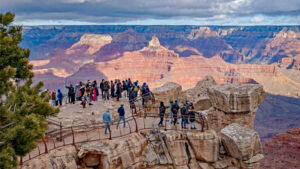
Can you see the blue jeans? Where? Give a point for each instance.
(183, 122)
(106, 127)
(121, 118)
(54, 103)
(171, 114)
(193, 124)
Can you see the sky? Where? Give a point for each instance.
(153, 12)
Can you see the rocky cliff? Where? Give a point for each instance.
(228, 142)
(283, 150)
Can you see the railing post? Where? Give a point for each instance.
(136, 126)
(21, 160)
(166, 122)
(60, 132)
(73, 136)
(109, 132)
(46, 148)
(39, 150)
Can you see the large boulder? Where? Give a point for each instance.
(182, 154)
(236, 98)
(242, 143)
(64, 157)
(217, 119)
(205, 145)
(169, 92)
(122, 153)
(200, 90)
(199, 95)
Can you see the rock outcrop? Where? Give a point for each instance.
(242, 143)
(198, 95)
(282, 151)
(65, 157)
(233, 103)
(229, 141)
(169, 92)
(236, 98)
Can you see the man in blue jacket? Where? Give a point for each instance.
(106, 120)
(121, 112)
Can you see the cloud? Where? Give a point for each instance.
(130, 11)
(257, 19)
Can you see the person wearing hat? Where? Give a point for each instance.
(106, 120)
(121, 112)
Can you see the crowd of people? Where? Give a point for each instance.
(88, 92)
(187, 113)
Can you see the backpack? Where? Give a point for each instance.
(105, 87)
(183, 110)
(175, 108)
(60, 96)
(136, 89)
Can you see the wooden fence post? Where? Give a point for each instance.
(46, 148)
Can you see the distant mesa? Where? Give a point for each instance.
(93, 43)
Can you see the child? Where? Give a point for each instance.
(83, 101)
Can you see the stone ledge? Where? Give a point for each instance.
(236, 98)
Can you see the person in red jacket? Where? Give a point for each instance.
(53, 99)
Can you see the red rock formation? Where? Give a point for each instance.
(157, 65)
(283, 151)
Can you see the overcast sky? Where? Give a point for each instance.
(154, 12)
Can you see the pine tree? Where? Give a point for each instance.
(23, 108)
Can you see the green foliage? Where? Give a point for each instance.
(10, 52)
(23, 108)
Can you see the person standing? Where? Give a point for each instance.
(59, 97)
(184, 116)
(106, 90)
(175, 109)
(192, 117)
(90, 95)
(101, 88)
(112, 89)
(107, 120)
(162, 111)
(121, 112)
(119, 90)
(136, 89)
(53, 98)
(171, 113)
(71, 94)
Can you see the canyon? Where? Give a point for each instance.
(268, 55)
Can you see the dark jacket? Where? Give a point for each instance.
(162, 111)
(183, 112)
(101, 85)
(71, 90)
(192, 116)
(175, 108)
(121, 111)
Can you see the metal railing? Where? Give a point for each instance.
(78, 134)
